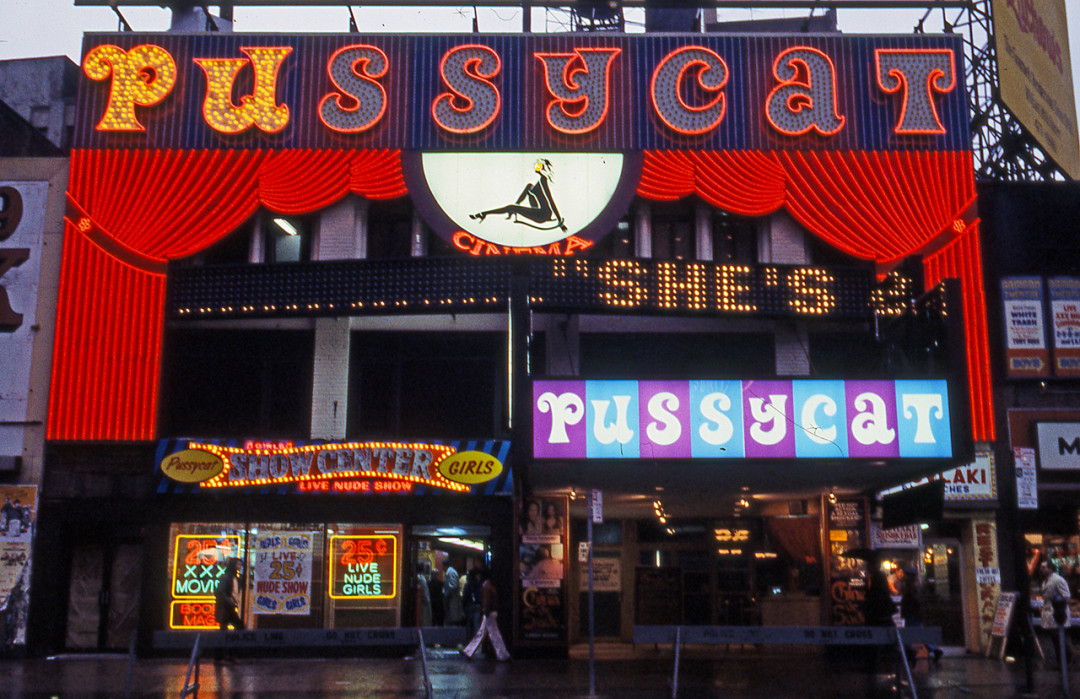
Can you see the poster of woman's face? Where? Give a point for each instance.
(543, 516)
(531, 522)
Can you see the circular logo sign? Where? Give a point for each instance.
(545, 202)
(191, 466)
(470, 467)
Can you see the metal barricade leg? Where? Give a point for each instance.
(1063, 661)
(192, 688)
(904, 663)
(675, 674)
(130, 665)
(423, 661)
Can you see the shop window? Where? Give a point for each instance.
(426, 385)
(293, 576)
(672, 232)
(618, 244)
(364, 579)
(233, 383)
(287, 238)
(734, 238)
(389, 229)
(198, 554)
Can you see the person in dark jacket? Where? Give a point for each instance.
(489, 627)
(435, 588)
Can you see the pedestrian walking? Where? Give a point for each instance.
(1055, 609)
(489, 626)
(452, 595)
(227, 596)
(471, 601)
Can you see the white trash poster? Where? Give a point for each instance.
(282, 573)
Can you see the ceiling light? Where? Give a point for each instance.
(286, 226)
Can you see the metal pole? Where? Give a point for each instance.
(1062, 663)
(130, 666)
(423, 662)
(904, 662)
(592, 620)
(675, 673)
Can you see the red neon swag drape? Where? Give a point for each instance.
(131, 211)
(880, 206)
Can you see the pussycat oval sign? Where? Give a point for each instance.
(192, 466)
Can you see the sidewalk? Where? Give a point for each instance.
(622, 671)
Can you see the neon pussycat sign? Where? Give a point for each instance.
(509, 92)
(729, 419)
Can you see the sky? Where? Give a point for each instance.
(30, 28)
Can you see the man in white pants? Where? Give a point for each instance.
(489, 627)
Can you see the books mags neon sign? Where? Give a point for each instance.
(578, 83)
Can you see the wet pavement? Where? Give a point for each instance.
(621, 671)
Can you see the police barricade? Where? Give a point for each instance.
(788, 635)
(260, 639)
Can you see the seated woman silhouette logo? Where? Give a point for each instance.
(541, 212)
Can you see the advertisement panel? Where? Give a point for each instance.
(542, 547)
(730, 419)
(1035, 74)
(282, 571)
(17, 519)
(1026, 353)
(847, 531)
(364, 566)
(1065, 310)
(1059, 445)
(459, 467)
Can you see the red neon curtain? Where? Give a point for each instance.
(129, 212)
(876, 206)
(132, 210)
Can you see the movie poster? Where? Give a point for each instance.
(17, 518)
(847, 532)
(542, 569)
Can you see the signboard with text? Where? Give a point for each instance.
(1064, 295)
(363, 566)
(847, 527)
(1059, 445)
(722, 419)
(1035, 74)
(1026, 352)
(282, 572)
(316, 468)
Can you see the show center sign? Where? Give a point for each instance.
(335, 468)
(730, 419)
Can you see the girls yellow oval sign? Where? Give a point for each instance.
(470, 467)
(192, 466)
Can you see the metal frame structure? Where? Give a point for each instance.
(1003, 149)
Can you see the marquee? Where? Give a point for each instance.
(182, 137)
